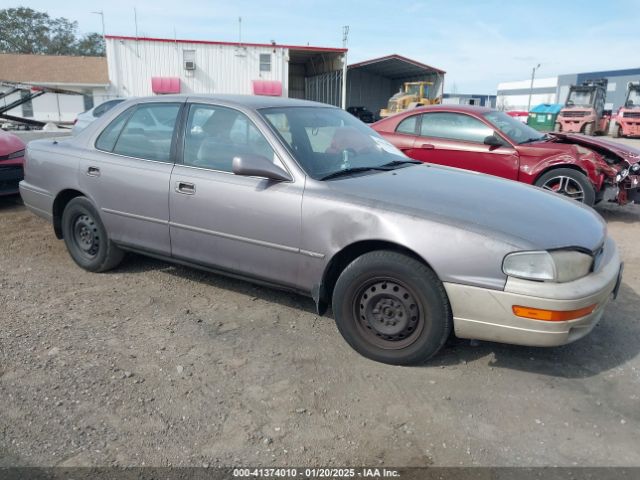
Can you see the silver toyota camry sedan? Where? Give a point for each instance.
(303, 196)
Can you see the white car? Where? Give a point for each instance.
(85, 118)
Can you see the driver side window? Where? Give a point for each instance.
(215, 135)
(454, 126)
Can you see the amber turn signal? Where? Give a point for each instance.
(552, 315)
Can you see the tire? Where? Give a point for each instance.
(86, 238)
(567, 182)
(588, 129)
(557, 127)
(617, 133)
(391, 308)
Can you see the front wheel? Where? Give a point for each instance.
(570, 183)
(86, 238)
(392, 308)
(617, 133)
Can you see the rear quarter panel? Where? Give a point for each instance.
(51, 166)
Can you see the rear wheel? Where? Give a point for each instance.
(86, 238)
(588, 128)
(570, 183)
(392, 308)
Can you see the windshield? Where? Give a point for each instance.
(413, 90)
(578, 98)
(328, 140)
(514, 129)
(634, 98)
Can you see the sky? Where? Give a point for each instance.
(478, 43)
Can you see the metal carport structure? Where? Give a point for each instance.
(371, 83)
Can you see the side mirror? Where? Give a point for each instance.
(493, 141)
(250, 165)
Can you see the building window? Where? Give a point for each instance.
(88, 102)
(265, 62)
(189, 59)
(27, 107)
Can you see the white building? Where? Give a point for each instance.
(147, 66)
(515, 95)
(85, 75)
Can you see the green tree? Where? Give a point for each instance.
(24, 30)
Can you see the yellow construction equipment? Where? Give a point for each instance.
(413, 94)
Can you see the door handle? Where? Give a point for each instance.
(427, 146)
(93, 171)
(185, 188)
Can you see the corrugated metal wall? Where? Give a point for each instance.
(219, 68)
(325, 88)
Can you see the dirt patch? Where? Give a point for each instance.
(155, 364)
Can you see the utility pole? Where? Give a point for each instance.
(135, 20)
(239, 30)
(101, 13)
(533, 76)
(345, 37)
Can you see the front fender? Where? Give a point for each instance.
(589, 163)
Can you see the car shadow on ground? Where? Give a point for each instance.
(616, 213)
(10, 202)
(612, 343)
(139, 264)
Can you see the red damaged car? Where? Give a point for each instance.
(11, 163)
(492, 142)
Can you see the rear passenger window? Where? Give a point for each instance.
(107, 139)
(408, 125)
(146, 133)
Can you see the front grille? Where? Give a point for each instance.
(631, 115)
(578, 114)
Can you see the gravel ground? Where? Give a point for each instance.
(156, 364)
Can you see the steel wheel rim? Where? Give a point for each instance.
(566, 186)
(388, 313)
(85, 236)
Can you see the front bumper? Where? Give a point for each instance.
(486, 314)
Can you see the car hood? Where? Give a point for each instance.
(602, 146)
(524, 216)
(10, 143)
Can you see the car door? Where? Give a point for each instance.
(127, 175)
(244, 225)
(457, 140)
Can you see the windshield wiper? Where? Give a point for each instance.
(531, 140)
(397, 163)
(348, 171)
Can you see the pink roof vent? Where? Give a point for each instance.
(271, 88)
(165, 85)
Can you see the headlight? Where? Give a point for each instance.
(635, 167)
(18, 154)
(622, 175)
(555, 266)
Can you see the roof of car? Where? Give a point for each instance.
(247, 101)
(455, 108)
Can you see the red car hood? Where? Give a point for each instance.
(9, 143)
(602, 146)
